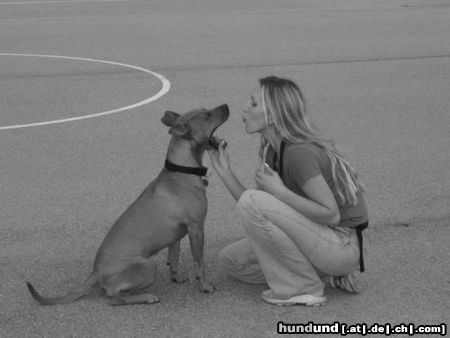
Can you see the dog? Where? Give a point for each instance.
(173, 205)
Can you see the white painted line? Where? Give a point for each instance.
(57, 2)
(164, 89)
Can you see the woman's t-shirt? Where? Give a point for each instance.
(304, 161)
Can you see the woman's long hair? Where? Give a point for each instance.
(285, 103)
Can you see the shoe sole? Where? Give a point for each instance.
(297, 300)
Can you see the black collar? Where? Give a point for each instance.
(197, 171)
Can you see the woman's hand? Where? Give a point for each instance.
(268, 180)
(220, 160)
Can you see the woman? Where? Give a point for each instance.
(300, 221)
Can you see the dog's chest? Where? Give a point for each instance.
(182, 197)
(194, 199)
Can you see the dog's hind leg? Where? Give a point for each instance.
(172, 260)
(143, 298)
(128, 286)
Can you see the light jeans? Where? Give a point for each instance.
(285, 249)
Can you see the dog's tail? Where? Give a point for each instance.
(74, 294)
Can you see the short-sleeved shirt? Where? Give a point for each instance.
(304, 161)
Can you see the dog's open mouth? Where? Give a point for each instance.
(214, 142)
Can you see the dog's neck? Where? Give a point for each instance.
(181, 153)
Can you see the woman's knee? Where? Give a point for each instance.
(254, 196)
(254, 201)
(246, 198)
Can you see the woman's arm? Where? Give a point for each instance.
(221, 164)
(320, 205)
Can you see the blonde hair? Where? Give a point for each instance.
(284, 102)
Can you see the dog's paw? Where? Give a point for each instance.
(207, 287)
(151, 299)
(178, 278)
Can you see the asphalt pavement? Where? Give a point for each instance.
(376, 78)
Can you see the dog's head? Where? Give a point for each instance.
(197, 126)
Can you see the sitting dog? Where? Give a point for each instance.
(171, 206)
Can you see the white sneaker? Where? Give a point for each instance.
(308, 300)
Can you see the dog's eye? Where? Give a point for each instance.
(207, 115)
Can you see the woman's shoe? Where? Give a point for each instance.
(347, 283)
(308, 300)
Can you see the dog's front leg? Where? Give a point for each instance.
(196, 240)
(172, 260)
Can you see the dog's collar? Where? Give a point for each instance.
(197, 171)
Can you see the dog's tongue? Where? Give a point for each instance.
(215, 141)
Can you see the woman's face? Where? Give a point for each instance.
(253, 117)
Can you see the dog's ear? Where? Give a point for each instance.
(169, 118)
(179, 129)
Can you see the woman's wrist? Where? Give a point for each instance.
(282, 193)
(233, 185)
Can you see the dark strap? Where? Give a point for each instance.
(197, 171)
(280, 167)
(359, 229)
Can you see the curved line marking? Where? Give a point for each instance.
(164, 89)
